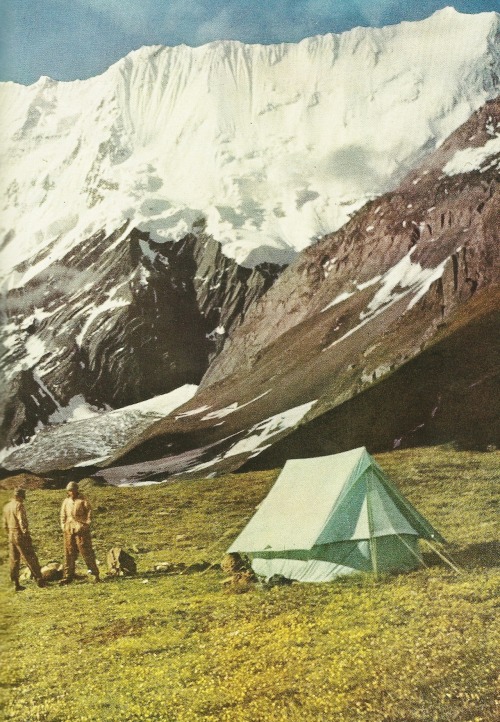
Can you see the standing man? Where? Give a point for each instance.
(15, 523)
(75, 524)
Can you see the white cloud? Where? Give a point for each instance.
(374, 13)
(200, 21)
(130, 15)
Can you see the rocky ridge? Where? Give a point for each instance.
(118, 320)
(437, 231)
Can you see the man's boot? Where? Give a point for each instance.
(18, 587)
(41, 583)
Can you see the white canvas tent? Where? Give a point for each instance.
(333, 515)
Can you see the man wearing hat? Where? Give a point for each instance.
(15, 523)
(75, 524)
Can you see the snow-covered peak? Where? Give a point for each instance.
(272, 145)
(449, 13)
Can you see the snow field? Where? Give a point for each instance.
(272, 145)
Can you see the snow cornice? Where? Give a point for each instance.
(145, 52)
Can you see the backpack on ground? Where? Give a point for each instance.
(120, 563)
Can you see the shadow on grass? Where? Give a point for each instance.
(14, 684)
(485, 554)
(154, 574)
(480, 555)
(431, 559)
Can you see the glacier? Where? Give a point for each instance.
(85, 436)
(266, 148)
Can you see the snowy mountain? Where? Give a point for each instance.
(149, 213)
(384, 333)
(269, 146)
(121, 321)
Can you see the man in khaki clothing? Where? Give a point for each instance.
(15, 524)
(75, 523)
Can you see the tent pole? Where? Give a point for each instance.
(373, 552)
(444, 558)
(373, 542)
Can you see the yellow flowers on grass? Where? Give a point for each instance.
(420, 647)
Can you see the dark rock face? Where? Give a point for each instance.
(118, 320)
(18, 421)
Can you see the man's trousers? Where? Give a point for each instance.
(20, 545)
(78, 543)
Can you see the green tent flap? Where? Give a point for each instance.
(333, 515)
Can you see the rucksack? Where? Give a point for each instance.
(120, 563)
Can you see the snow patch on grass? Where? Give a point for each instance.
(256, 438)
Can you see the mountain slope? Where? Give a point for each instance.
(438, 231)
(448, 392)
(375, 335)
(118, 190)
(413, 270)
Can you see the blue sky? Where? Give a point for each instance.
(68, 39)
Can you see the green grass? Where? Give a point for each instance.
(419, 647)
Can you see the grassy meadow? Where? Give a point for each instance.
(418, 647)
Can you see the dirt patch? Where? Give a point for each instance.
(26, 481)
